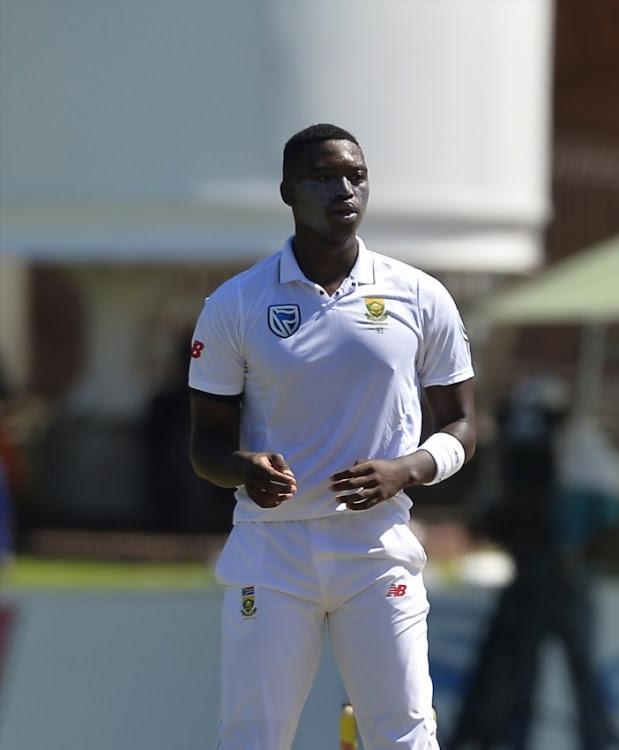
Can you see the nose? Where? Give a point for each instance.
(343, 187)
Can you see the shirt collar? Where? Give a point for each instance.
(362, 272)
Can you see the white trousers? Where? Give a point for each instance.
(359, 574)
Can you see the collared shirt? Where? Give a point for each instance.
(328, 380)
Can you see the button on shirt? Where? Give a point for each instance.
(327, 380)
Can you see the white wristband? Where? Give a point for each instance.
(447, 452)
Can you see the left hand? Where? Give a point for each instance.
(372, 480)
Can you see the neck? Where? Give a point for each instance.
(327, 264)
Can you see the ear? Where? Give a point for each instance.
(286, 191)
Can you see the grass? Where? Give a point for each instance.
(30, 573)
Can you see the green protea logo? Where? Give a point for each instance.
(375, 307)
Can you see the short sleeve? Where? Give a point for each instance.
(445, 351)
(217, 364)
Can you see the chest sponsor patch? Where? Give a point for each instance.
(284, 320)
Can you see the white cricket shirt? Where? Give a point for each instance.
(328, 380)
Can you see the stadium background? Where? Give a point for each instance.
(140, 145)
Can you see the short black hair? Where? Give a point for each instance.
(313, 134)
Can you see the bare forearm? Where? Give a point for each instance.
(217, 460)
(416, 468)
(453, 412)
(266, 477)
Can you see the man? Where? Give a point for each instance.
(306, 377)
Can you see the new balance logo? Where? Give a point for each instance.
(197, 348)
(397, 589)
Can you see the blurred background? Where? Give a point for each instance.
(140, 157)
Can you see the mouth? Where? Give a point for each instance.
(344, 212)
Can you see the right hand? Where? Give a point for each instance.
(267, 478)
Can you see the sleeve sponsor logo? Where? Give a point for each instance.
(196, 349)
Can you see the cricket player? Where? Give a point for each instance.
(306, 378)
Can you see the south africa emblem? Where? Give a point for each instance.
(375, 307)
(248, 602)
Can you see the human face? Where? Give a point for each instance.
(328, 190)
